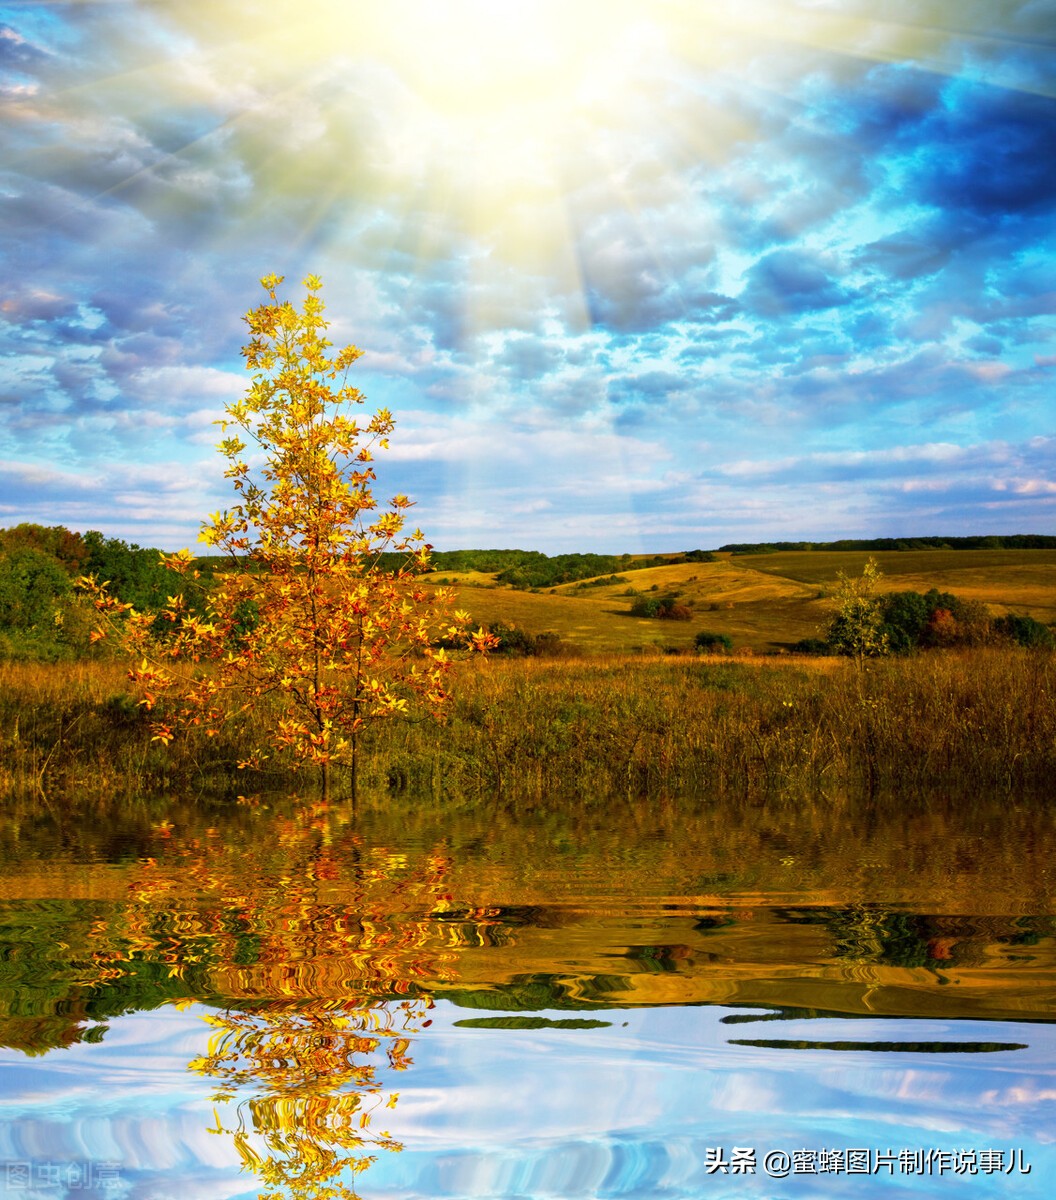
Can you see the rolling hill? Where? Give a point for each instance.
(765, 602)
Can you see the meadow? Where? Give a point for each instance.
(765, 603)
(592, 729)
(621, 705)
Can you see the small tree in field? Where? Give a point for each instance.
(304, 627)
(857, 628)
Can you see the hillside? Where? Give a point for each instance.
(764, 602)
(764, 598)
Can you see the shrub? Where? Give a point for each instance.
(663, 608)
(519, 643)
(904, 615)
(646, 606)
(812, 646)
(935, 619)
(712, 643)
(32, 585)
(941, 629)
(1024, 631)
(40, 619)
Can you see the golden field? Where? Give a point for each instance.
(968, 722)
(764, 602)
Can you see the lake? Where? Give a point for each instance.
(649, 998)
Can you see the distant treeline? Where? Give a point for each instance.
(1016, 541)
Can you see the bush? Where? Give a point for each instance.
(41, 620)
(519, 643)
(712, 643)
(646, 606)
(935, 619)
(1024, 631)
(133, 573)
(816, 647)
(661, 608)
(32, 585)
(905, 615)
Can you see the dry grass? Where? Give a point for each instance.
(971, 723)
(756, 610)
(978, 723)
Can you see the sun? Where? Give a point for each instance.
(497, 81)
(466, 56)
(504, 82)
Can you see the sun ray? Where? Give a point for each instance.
(492, 112)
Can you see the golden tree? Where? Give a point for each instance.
(306, 625)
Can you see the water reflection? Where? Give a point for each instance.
(526, 963)
(882, 1047)
(306, 1089)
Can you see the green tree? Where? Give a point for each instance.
(663, 608)
(905, 618)
(857, 629)
(304, 626)
(133, 573)
(32, 586)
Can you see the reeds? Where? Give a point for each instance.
(972, 722)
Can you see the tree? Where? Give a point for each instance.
(905, 619)
(58, 542)
(32, 586)
(133, 573)
(857, 628)
(303, 626)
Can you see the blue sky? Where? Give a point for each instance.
(631, 275)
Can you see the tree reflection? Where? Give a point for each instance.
(313, 1093)
(327, 981)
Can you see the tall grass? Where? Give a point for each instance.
(982, 720)
(975, 721)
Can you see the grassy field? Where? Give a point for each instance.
(617, 715)
(764, 602)
(976, 722)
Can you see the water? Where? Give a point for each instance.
(653, 1000)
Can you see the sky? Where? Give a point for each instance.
(632, 275)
